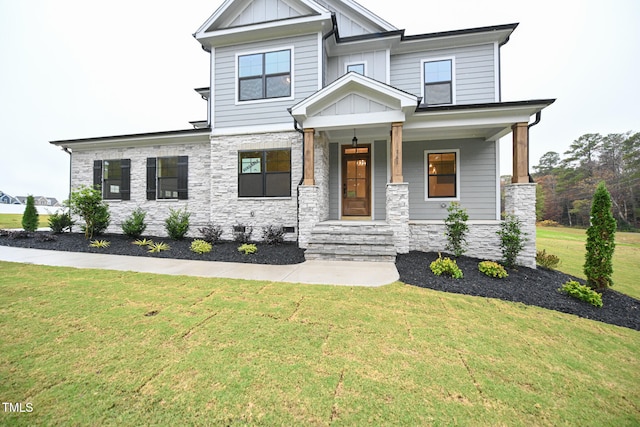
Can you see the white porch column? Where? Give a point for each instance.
(520, 200)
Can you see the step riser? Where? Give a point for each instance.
(351, 242)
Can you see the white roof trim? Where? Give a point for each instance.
(369, 15)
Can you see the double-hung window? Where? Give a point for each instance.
(264, 75)
(264, 173)
(442, 174)
(167, 177)
(438, 82)
(113, 178)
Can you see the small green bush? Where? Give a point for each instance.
(210, 233)
(177, 225)
(87, 203)
(273, 235)
(548, 223)
(545, 260)
(30, 217)
(512, 239)
(446, 266)
(143, 242)
(242, 233)
(100, 244)
(200, 246)
(598, 264)
(248, 248)
(582, 292)
(492, 269)
(61, 222)
(456, 229)
(134, 225)
(158, 247)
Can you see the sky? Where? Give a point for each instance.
(78, 69)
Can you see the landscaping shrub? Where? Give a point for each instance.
(210, 233)
(100, 244)
(582, 292)
(143, 242)
(242, 233)
(19, 234)
(512, 239)
(598, 265)
(456, 229)
(87, 203)
(46, 237)
(200, 246)
(548, 223)
(134, 225)
(273, 235)
(158, 247)
(177, 225)
(545, 260)
(61, 222)
(446, 266)
(30, 217)
(492, 269)
(248, 248)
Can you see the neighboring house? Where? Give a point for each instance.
(325, 119)
(8, 199)
(40, 201)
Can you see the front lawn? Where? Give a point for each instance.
(96, 347)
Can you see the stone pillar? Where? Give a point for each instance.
(398, 214)
(396, 153)
(309, 166)
(308, 212)
(520, 153)
(520, 200)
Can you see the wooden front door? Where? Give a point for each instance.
(356, 180)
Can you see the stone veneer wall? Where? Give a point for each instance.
(309, 214)
(157, 210)
(227, 209)
(520, 200)
(397, 205)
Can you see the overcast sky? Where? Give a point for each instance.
(77, 69)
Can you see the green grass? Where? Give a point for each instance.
(78, 346)
(15, 221)
(569, 245)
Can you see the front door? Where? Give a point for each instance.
(356, 180)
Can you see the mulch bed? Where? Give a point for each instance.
(537, 287)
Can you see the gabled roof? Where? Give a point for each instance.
(354, 100)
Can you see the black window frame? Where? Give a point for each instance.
(453, 175)
(260, 181)
(264, 76)
(426, 84)
(182, 178)
(100, 183)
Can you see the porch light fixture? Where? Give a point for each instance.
(354, 141)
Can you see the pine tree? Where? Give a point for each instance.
(598, 266)
(30, 217)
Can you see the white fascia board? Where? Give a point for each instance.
(138, 141)
(346, 48)
(448, 41)
(264, 30)
(354, 120)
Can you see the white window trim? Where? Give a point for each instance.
(260, 101)
(453, 77)
(347, 64)
(426, 176)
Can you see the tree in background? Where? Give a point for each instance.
(598, 266)
(30, 217)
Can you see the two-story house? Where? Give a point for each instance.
(327, 120)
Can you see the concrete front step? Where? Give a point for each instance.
(351, 241)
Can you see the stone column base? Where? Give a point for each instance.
(398, 214)
(308, 212)
(520, 200)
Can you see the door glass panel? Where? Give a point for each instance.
(361, 167)
(351, 188)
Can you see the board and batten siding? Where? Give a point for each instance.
(478, 179)
(474, 72)
(375, 65)
(228, 113)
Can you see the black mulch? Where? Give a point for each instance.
(287, 253)
(533, 287)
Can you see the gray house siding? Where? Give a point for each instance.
(263, 113)
(474, 72)
(376, 65)
(380, 179)
(477, 179)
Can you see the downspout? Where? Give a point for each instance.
(334, 30)
(529, 126)
(66, 150)
(297, 129)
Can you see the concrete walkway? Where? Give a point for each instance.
(345, 273)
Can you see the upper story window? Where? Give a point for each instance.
(356, 68)
(442, 174)
(264, 75)
(113, 177)
(167, 177)
(438, 82)
(264, 173)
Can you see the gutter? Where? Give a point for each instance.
(529, 126)
(334, 30)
